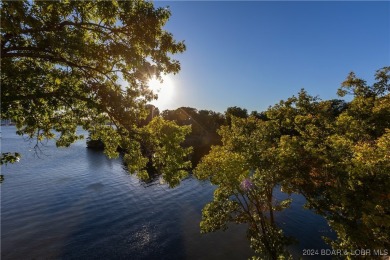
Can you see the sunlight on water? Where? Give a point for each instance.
(75, 203)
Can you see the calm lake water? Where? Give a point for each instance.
(74, 203)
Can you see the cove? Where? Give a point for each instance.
(74, 203)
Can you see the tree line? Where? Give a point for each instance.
(70, 64)
(333, 152)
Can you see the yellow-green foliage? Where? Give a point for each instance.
(336, 154)
(76, 63)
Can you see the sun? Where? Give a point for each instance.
(164, 89)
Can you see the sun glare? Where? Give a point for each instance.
(164, 90)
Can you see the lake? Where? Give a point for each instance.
(74, 203)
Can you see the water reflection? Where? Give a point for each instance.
(93, 162)
(77, 204)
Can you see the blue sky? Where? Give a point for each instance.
(253, 54)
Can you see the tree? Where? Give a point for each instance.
(67, 64)
(204, 125)
(338, 158)
(334, 153)
(153, 112)
(246, 170)
(163, 147)
(258, 115)
(235, 112)
(360, 167)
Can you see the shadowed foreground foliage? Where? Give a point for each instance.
(87, 64)
(70, 63)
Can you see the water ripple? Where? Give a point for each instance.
(77, 204)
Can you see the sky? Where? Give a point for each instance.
(254, 54)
